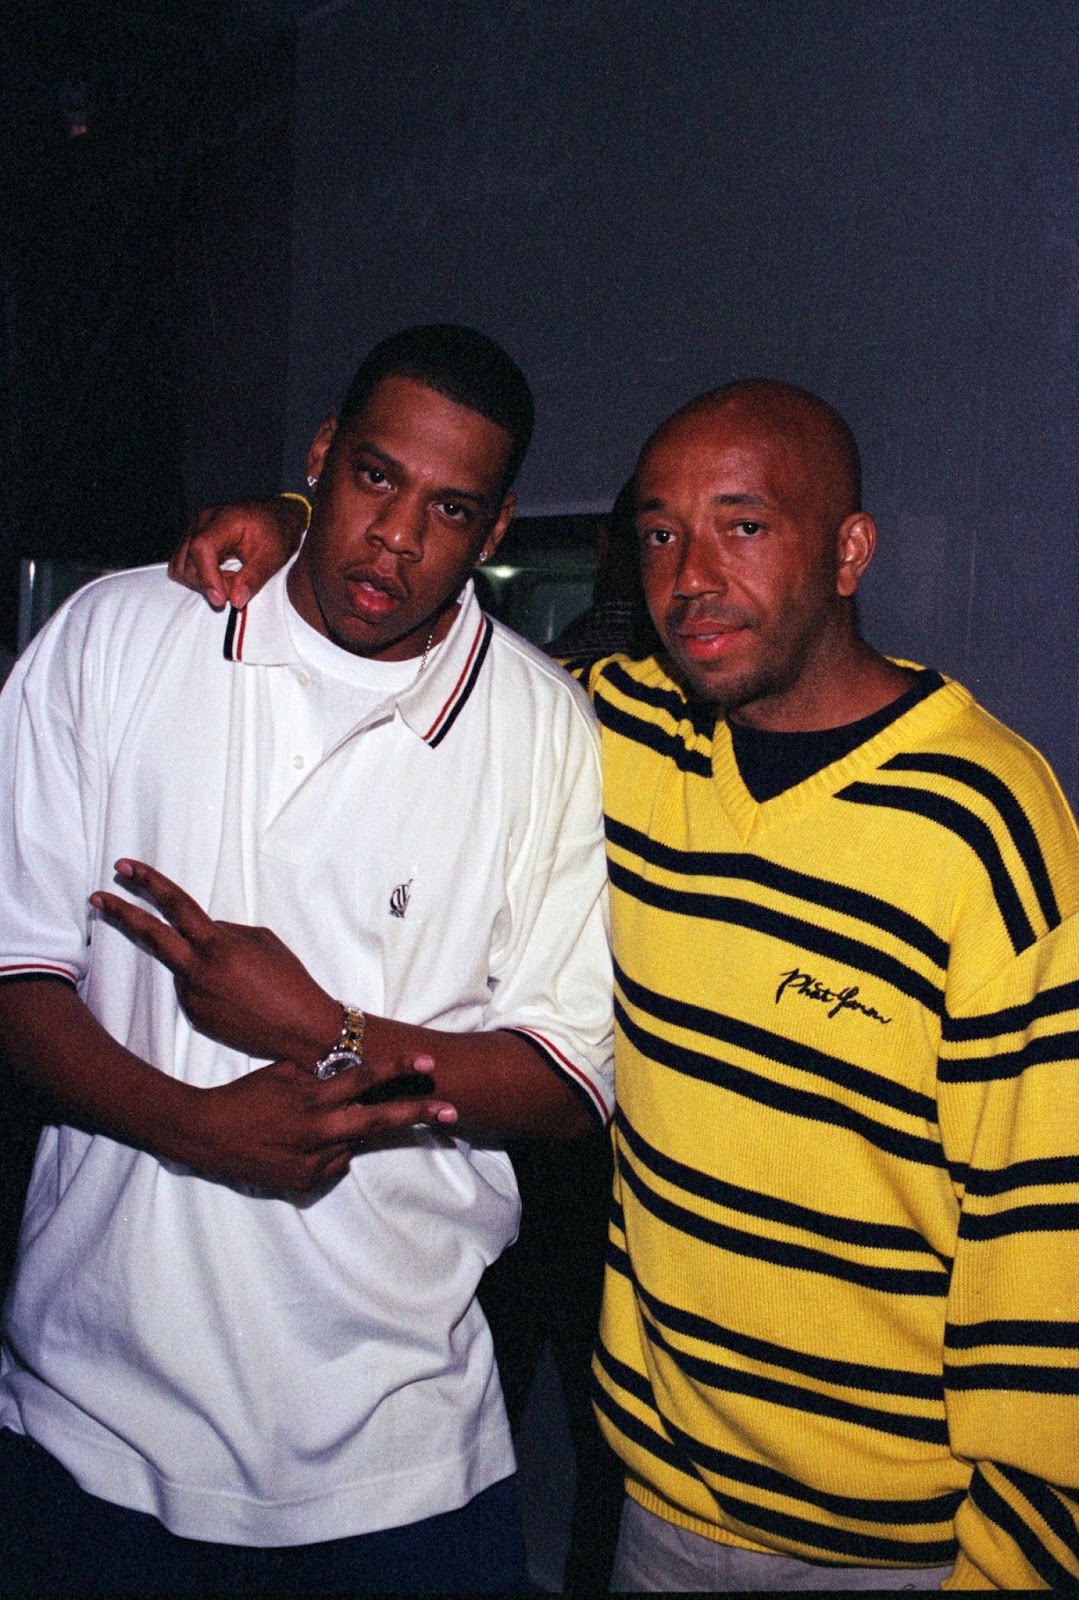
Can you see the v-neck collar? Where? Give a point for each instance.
(749, 816)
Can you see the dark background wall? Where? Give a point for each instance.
(97, 122)
(877, 200)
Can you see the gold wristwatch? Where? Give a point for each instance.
(347, 1049)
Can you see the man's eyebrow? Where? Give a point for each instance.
(363, 447)
(465, 494)
(758, 501)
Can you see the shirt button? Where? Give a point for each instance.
(297, 762)
(303, 679)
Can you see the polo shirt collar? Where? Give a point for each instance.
(259, 636)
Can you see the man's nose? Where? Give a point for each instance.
(399, 527)
(701, 569)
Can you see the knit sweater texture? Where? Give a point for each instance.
(841, 1316)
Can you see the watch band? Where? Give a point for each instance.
(352, 1031)
(347, 1049)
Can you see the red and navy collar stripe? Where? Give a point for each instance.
(466, 682)
(455, 700)
(234, 634)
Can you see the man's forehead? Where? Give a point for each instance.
(742, 449)
(400, 397)
(404, 417)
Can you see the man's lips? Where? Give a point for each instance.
(708, 639)
(373, 595)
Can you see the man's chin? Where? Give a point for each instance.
(724, 691)
(709, 684)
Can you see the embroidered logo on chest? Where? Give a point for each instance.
(837, 1000)
(399, 899)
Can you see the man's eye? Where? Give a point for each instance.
(456, 511)
(656, 536)
(374, 476)
(748, 529)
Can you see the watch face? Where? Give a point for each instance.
(337, 1061)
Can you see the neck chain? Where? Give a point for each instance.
(426, 651)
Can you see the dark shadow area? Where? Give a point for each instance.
(109, 119)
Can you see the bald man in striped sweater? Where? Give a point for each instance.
(841, 1316)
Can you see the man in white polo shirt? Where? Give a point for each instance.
(242, 1348)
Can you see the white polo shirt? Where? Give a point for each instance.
(249, 1370)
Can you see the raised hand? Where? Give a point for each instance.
(238, 984)
(243, 986)
(260, 535)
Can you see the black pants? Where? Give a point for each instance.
(55, 1539)
(548, 1287)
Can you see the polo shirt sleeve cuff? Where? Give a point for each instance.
(593, 1086)
(14, 967)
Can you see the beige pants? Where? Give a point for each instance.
(656, 1556)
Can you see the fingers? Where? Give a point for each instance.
(367, 1104)
(383, 1069)
(175, 945)
(256, 535)
(271, 533)
(365, 1123)
(213, 536)
(203, 565)
(374, 1081)
(258, 569)
(281, 1130)
(177, 567)
(369, 1125)
(185, 914)
(327, 1131)
(162, 941)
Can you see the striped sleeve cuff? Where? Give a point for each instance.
(30, 968)
(576, 1076)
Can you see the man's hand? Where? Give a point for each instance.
(260, 534)
(282, 1132)
(277, 1129)
(239, 985)
(244, 987)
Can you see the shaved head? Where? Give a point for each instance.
(753, 540)
(774, 410)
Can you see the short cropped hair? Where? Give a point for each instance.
(461, 364)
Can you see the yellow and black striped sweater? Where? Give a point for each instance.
(841, 1317)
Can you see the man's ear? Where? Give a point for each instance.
(498, 528)
(856, 541)
(319, 446)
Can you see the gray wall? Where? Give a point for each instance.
(876, 200)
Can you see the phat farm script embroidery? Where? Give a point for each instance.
(804, 983)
